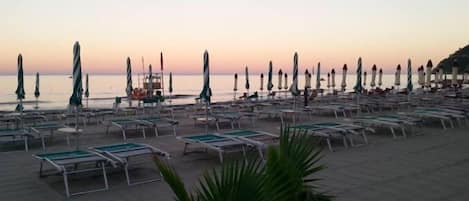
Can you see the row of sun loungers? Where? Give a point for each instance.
(141, 123)
(95, 159)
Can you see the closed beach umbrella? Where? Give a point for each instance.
(318, 77)
(170, 88)
(150, 81)
(421, 76)
(380, 77)
(36, 88)
(333, 78)
(328, 80)
(285, 86)
(206, 92)
(269, 79)
(280, 75)
(440, 75)
(437, 77)
(129, 87)
(246, 74)
(235, 87)
(358, 86)
(429, 73)
(75, 98)
(20, 94)
(373, 76)
(364, 78)
(410, 86)
(262, 82)
(397, 80)
(294, 86)
(454, 73)
(307, 79)
(344, 77)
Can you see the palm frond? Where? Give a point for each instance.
(173, 179)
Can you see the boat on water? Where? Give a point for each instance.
(151, 90)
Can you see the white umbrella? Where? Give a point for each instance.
(307, 79)
(397, 80)
(454, 73)
(420, 76)
(373, 76)
(328, 80)
(437, 77)
(429, 74)
(285, 86)
(235, 87)
(280, 75)
(344, 77)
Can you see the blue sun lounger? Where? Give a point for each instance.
(15, 134)
(216, 142)
(158, 122)
(121, 154)
(125, 124)
(47, 126)
(66, 163)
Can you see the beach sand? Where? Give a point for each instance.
(432, 166)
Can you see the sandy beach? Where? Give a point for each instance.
(430, 166)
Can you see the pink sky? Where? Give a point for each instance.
(236, 34)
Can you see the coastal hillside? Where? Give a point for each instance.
(461, 57)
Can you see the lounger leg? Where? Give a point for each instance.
(144, 134)
(174, 130)
(126, 170)
(26, 147)
(443, 124)
(403, 132)
(451, 123)
(185, 148)
(329, 144)
(364, 137)
(123, 134)
(216, 124)
(43, 143)
(393, 134)
(67, 191)
(344, 139)
(351, 140)
(335, 114)
(156, 131)
(106, 184)
(261, 153)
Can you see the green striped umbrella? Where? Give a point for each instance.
(344, 77)
(328, 81)
(410, 87)
(269, 79)
(280, 75)
(294, 86)
(36, 90)
(246, 74)
(206, 92)
(150, 80)
(129, 87)
(358, 86)
(20, 94)
(318, 77)
(75, 98)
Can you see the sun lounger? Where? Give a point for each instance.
(216, 142)
(158, 122)
(121, 154)
(377, 121)
(39, 129)
(231, 117)
(322, 132)
(124, 124)
(14, 135)
(259, 139)
(67, 163)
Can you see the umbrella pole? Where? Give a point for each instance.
(37, 104)
(358, 105)
(21, 113)
(206, 116)
(76, 126)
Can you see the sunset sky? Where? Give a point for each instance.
(236, 33)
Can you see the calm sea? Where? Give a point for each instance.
(56, 89)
